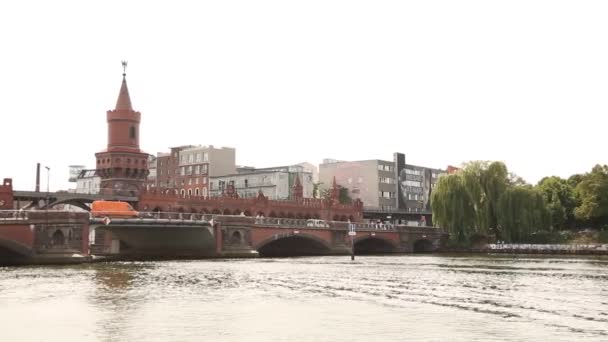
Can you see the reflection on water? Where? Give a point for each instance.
(456, 298)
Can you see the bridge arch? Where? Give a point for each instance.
(374, 245)
(77, 202)
(14, 248)
(423, 246)
(288, 244)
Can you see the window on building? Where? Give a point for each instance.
(246, 183)
(196, 191)
(189, 170)
(190, 181)
(182, 171)
(205, 156)
(197, 169)
(204, 180)
(196, 180)
(198, 157)
(204, 168)
(132, 132)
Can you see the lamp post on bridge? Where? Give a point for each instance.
(48, 195)
(352, 233)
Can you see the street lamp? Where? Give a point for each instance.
(48, 179)
(48, 195)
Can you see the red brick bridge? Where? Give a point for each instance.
(181, 234)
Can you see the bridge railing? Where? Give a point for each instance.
(546, 247)
(11, 215)
(171, 215)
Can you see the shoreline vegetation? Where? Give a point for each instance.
(483, 204)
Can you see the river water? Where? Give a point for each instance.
(375, 298)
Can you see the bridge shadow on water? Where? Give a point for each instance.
(373, 246)
(293, 246)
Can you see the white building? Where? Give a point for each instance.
(276, 183)
(87, 182)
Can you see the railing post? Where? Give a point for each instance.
(218, 238)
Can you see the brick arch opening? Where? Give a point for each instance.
(58, 238)
(237, 212)
(423, 246)
(288, 245)
(236, 238)
(247, 213)
(226, 211)
(374, 245)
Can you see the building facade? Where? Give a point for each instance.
(87, 182)
(186, 169)
(383, 185)
(276, 183)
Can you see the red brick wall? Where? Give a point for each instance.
(6, 194)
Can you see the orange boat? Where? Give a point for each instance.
(113, 209)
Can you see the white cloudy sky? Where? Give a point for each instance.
(525, 82)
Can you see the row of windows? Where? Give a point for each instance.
(412, 183)
(359, 180)
(385, 168)
(387, 180)
(117, 160)
(197, 157)
(413, 172)
(196, 192)
(386, 194)
(197, 169)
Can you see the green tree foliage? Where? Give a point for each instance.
(521, 211)
(561, 201)
(452, 207)
(344, 197)
(592, 192)
(485, 198)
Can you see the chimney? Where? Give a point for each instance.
(37, 177)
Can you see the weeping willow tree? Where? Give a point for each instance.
(485, 182)
(522, 210)
(484, 198)
(452, 207)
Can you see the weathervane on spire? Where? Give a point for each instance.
(124, 68)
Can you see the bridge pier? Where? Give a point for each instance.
(39, 237)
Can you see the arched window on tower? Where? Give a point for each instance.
(132, 132)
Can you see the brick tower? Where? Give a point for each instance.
(123, 167)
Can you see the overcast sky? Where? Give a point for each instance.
(444, 82)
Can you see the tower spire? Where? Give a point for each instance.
(124, 100)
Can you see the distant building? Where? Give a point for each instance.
(276, 183)
(384, 186)
(452, 169)
(313, 169)
(88, 182)
(74, 172)
(186, 169)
